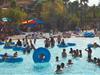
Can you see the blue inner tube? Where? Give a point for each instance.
(71, 44)
(8, 47)
(18, 48)
(12, 60)
(89, 34)
(1, 55)
(90, 45)
(1, 43)
(41, 51)
(62, 46)
(13, 43)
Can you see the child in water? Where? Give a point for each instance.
(52, 42)
(57, 58)
(5, 56)
(64, 54)
(19, 43)
(71, 51)
(58, 69)
(62, 66)
(32, 45)
(62, 42)
(80, 53)
(15, 54)
(69, 62)
(89, 51)
(59, 39)
(47, 43)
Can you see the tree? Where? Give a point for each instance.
(51, 12)
(83, 7)
(13, 3)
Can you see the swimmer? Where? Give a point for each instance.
(63, 42)
(10, 41)
(74, 54)
(42, 56)
(62, 66)
(95, 60)
(5, 56)
(47, 43)
(32, 45)
(15, 54)
(58, 69)
(23, 42)
(52, 42)
(98, 62)
(59, 39)
(69, 62)
(64, 54)
(57, 58)
(19, 43)
(89, 51)
(80, 53)
(71, 51)
(7, 44)
(77, 52)
(96, 45)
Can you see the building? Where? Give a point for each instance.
(4, 3)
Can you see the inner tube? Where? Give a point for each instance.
(8, 47)
(41, 55)
(12, 60)
(1, 43)
(71, 44)
(92, 46)
(62, 46)
(18, 48)
(12, 43)
(89, 34)
(1, 55)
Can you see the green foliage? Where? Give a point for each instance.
(74, 19)
(56, 13)
(15, 13)
(13, 3)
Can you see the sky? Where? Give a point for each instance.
(92, 2)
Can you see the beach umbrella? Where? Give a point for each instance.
(31, 25)
(37, 21)
(28, 22)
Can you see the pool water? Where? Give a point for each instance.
(28, 67)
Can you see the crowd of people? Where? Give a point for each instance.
(24, 43)
(50, 42)
(74, 54)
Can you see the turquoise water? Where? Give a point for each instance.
(28, 67)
